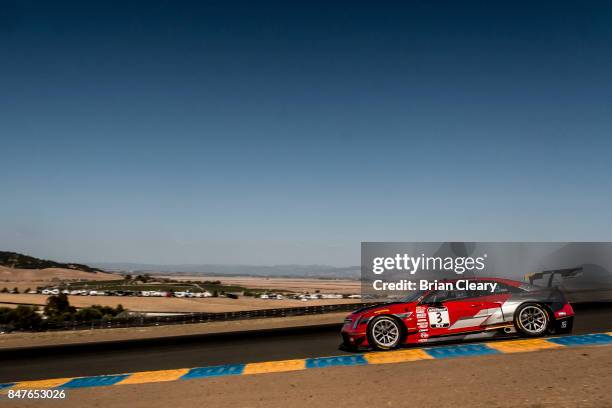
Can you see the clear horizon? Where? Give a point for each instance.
(276, 133)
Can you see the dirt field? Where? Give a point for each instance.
(179, 305)
(31, 278)
(578, 377)
(291, 284)
(87, 336)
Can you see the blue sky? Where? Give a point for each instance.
(289, 132)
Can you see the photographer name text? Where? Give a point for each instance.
(423, 284)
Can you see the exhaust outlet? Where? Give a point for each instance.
(508, 330)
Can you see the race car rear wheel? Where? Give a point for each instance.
(532, 320)
(384, 333)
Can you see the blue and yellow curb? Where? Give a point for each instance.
(396, 356)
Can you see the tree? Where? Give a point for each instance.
(15, 290)
(26, 317)
(22, 317)
(4, 290)
(58, 307)
(127, 277)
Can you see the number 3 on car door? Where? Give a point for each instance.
(438, 317)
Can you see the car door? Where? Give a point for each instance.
(472, 313)
(458, 311)
(490, 304)
(443, 311)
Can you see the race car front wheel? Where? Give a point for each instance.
(384, 333)
(531, 320)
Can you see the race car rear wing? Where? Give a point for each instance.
(564, 273)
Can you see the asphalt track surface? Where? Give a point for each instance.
(207, 350)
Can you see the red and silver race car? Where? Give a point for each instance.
(513, 308)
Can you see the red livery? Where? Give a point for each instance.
(511, 308)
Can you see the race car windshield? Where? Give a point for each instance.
(413, 297)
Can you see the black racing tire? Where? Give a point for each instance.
(532, 320)
(385, 333)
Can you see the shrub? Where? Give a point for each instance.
(87, 314)
(5, 314)
(20, 318)
(96, 312)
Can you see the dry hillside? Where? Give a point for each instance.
(31, 278)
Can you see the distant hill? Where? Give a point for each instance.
(19, 261)
(292, 271)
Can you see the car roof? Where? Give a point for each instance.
(509, 282)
